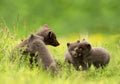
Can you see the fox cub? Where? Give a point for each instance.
(73, 57)
(35, 44)
(99, 57)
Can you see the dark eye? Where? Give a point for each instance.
(80, 48)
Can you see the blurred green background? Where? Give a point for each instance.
(63, 16)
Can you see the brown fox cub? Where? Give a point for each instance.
(48, 35)
(72, 57)
(35, 44)
(99, 57)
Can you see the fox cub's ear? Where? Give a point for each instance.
(83, 39)
(32, 36)
(50, 34)
(68, 44)
(78, 41)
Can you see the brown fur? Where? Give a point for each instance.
(99, 57)
(48, 35)
(36, 45)
(72, 57)
(45, 32)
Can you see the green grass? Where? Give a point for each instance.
(19, 71)
(83, 15)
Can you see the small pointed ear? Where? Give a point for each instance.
(32, 36)
(89, 46)
(68, 44)
(50, 34)
(83, 39)
(78, 41)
